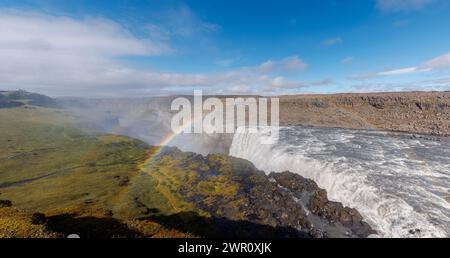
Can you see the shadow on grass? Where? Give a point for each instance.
(186, 222)
(191, 222)
(89, 227)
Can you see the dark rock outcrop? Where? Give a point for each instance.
(316, 201)
(279, 200)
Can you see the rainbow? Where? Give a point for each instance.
(164, 142)
(156, 148)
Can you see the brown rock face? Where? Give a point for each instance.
(413, 112)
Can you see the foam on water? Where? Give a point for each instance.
(400, 184)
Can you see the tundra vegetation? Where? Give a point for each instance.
(58, 179)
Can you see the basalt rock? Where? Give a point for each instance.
(286, 201)
(334, 211)
(316, 201)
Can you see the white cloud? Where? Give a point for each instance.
(293, 63)
(402, 5)
(280, 82)
(239, 89)
(402, 71)
(59, 55)
(400, 24)
(65, 36)
(225, 62)
(332, 41)
(398, 87)
(288, 64)
(180, 22)
(439, 81)
(267, 66)
(158, 32)
(440, 62)
(347, 60)
(322, 82)
(283, 83)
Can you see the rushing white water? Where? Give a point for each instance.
(399, 183)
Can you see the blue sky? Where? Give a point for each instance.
(139, 48)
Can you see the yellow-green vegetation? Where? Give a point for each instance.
(153, 229)
(171, 183)
(46, 163)
(61, 179)
(76, 178)
(102, 185)
(15, 224)
(96, 184)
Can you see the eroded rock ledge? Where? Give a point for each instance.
(229, 189)
(412, 112)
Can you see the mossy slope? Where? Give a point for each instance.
(100, 185)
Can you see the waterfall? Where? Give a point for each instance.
(399, 184)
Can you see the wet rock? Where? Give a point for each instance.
(414, 231)
(316, 201)
(334, 211)
(291, 204)
(317, 233)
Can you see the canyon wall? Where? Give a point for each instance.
(413, 112)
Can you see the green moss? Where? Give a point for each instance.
(47, 163)
(15, 224)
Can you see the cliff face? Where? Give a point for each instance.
(149, 119)
(413, 112)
